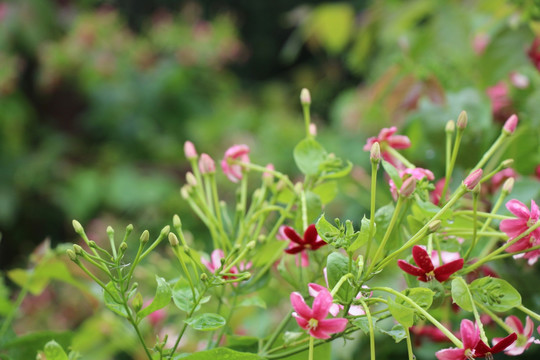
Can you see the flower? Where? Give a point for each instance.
(483, 350)
(534, 53)
(215, 260)
(501, 103)
(416, 173)
(206, 164)
(524, 335)
(515, 227)
(470, 335)
(235, 152)
(314, 319)
(426, 270)
(386, 138)
(436, 194)
(310, 241)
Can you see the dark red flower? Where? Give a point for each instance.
(534, 53)
(426, 270)
(483, 350)
(310, 241)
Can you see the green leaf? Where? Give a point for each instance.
(403, 314)
(334, 168)
(112, 303)
(363, 324)
(423, 297)
(222, 353)
(327, 191)
(331, 25)
(460, 294)
(393, 173)
(161, 299)
(183, 297)
(363, 235)
(27, 346)
(308, 155)
(496, 294)
(253, 301)
(337, 265)
(248, 344)
(326, 230)
(53, 351)
(398, 332)
(206, 322)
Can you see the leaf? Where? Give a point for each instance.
(460, 294)
(337, 265)
(112, 302)
(253, 301)
(53, 351)
(268, 251)
(398, 333)
(393, 173)
(248, 344)
(183, 297)
(363, 235)
(496, 294)
(308, 155)
(363, 324)
(26, 346)
(327, 191)
(334, 168)
(326, 230)
(206, 322)
(402, 314)
(222, 353)
(161, 299)
(423, 297)
(331, 25)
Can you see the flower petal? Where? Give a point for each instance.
(321, 305)
(399, 142)
(535, 213)
(504, 343)
(529, 327)
(442, 273)
(294, 250)
(519, 209)
(332, 326)
(293, 235)
(513, 227)
(451, 354)
(318, 244)
(300, 306)
(410, 269)
(302, 322)
(356, 310)
(314, 289)
(514, 322)
(422, 258)
(318, 333)
(470, 335)
(310, 235)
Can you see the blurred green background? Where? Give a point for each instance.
(98, 97)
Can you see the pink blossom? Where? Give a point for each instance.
(215, 260)
(155, 318)
(470, 335)
(206, 164)
(524, 335)
(417, 173)
(473, 179)
(511, 124)
(534, 53)
(314, 319)
(435, 195)
(515, 227)
(500, 99)
(235, 152)
(386, 138)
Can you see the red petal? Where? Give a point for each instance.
(317, 244)
(294, 250)
(504, 343)
(443, 272)
(310, 235)
(293, 235)
(481, 349)
(410, 269)
(422, 258)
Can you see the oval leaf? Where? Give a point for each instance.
(206, 322)
(496, 294)
(161, 299)
(460, 294)
(308, 155)
(53, 351)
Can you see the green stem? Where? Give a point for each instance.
(16, 305)
(475, 225)
(494, 317)
(374, 169)
(448, 175)
(475, 311)
(529, 312)
(310, 356)
(340, 283)
(491, 151)
(307, 119)
(371, 330)
(396, 154)
(409, 345)
(490, 215)
(278, 331)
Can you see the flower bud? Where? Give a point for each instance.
(312, 129)
(78, 250)
(510, 124)
(251, 245)
(207, 164)
(137, 302)
(507, 163)
(177, 223)
(204, 277)
(184, 191)
(129, 229)
(189, 150)
(123, 247)
(72, 255)
(434, 226)
(267, 176)
(375, 153)
(508, 185)
(78, 227)
(173, 240)
(462, 120)
(110, 231)
(166, 230)
(305, 97)
(190, 179)
(473, 179)
(145, 236)
(450, 126)
(92, 244)
(408, 187)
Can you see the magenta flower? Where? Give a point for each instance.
(417, 173)
(426, 270)
(483, 350)
(524, 335)
(314, 319)
(500, 99)
(515, 227)
(235, 152)
(470, 335)
(386, 138)
(310, 241)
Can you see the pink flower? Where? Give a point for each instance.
(431, 332)
(215, 260)
(473, 179)
(435, 195)
(417, 173)
(515, 227)
(310, 241)
(524, 335)
(483, 350)
(155, 318)
(500, 177)
(470, 335)
(386, 138)
(426, 270)
(500, 100)
(206, 164)
(314, 319)
(235, 152)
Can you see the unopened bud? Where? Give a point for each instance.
(177, 223)
(473, 179)
(247, 275)
(92, 244)
(267, 176)
(166, 230)
(207, 165)
(408, 187)
(173, 240)
(189, 150)
(312, 129)
(185, 191)
(250, 245)
(280, 185)
(510, 124)
(204, 277)
(123, 247)
(129, 229)
(137, 302)
(375, 153)
(508, 185)
(305, 97)
(462, 120)
(145, 236)
(507, 163)
(110, 231)
(190, 179)
(434, 226)
(71, 255)
(450, 126)
(77, 226)
(78, 250)
(298, 187)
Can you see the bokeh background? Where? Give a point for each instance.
(98, 97)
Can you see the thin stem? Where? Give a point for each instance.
(529, 312)
(374, 169)
(490, 215)
(307, 119)
(475, 311)
(310, 356)
(494, 317)
(16, 305)
(409, 345)
(475, 225)
(304, 210)
(371, 330)
(340, 283)
(491, 151)
(396, 154)
(278, 331)
(448, 175)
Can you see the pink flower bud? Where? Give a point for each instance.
(267, 175)
(313, 129)
(189, 150)
(235, 152)
(462, 120)
(305, 97)
(510, 124)
(206, 164)
(473, 179)
(375, 153)
(408, 187)
(190, 179)
(508, 185)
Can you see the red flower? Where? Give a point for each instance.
(534, 53)
(310, 241)
(483, 350)
(426, 270)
